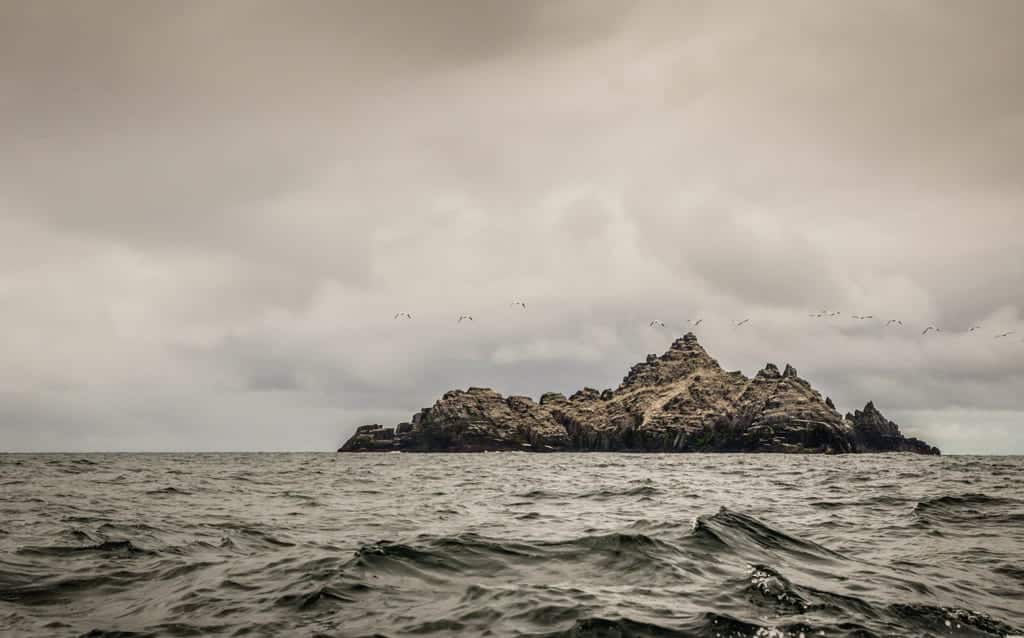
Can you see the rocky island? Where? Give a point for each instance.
(682, 401)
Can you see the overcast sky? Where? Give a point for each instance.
(210, 211)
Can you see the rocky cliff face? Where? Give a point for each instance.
(682, 401)
(874, 432)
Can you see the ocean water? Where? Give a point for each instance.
(511, 545)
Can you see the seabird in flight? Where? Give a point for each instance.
(893, 321)
(404, 315)
(694, 323)
(740, 323)
(974, 328)
(657, 324)
(929, 329)
(461, 317)
(1004, 334)
(521, 304)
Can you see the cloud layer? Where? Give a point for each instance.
(210, 214)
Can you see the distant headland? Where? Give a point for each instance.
(682, 401)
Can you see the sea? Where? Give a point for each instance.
(511, 544)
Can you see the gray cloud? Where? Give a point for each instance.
(210, 213)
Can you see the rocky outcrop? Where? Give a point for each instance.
(872, 431)
(681, 401)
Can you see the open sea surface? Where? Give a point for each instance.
(511, 544)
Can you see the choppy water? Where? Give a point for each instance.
(511, 545)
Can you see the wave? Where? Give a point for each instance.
(967, 500)
(951, 620)
(969, 508)
(262, 538)
(630, 557)
(529, 516)
(124, 547)
(1013, 571)
(463, 554)
(167, 490)
(597, 627)
(60, 590)
(880, 501)
(542, 494)
(706, 623)
(603, 494)
(319, 597)
(745, 534)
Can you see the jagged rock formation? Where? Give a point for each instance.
(682, 401)
(874, 432)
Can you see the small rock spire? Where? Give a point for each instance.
(685, 342)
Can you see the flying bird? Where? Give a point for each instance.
(740, 323)
(863, 316)
(461, 317)
(893, 321)
(816, 314)
(694, 323)
(521, 304)
(1004, 334)
(929, 329)
(973, 329)
(403, 315)
(657, 324)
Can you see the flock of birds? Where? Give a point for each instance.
(737, 323)
(899, 323)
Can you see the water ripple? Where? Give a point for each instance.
(569, 545)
